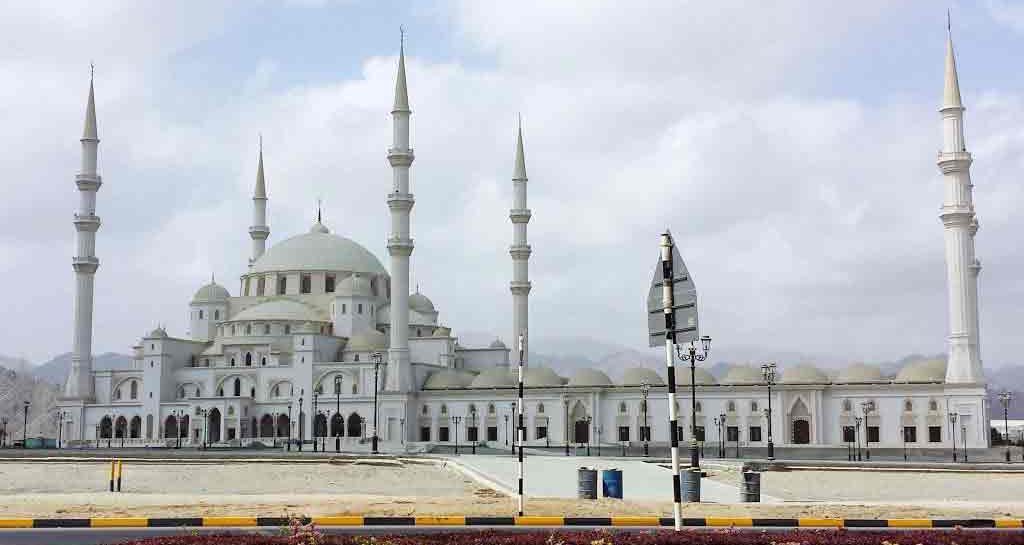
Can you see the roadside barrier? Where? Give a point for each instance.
(115, 474)
(538, 521)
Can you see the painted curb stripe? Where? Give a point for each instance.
(635, 521)
(175, 522)
(865, 523)
(668, 521)
(777, 523)
(60, 523)
(964, 523)
(121, 522)
(539, 521)
(833, 523)
(389, 521)
(229, 521)
(588, 521)
(440, 521)
(1008, 523)
(728, 521)
(15, 523)
(344, 520)
(910, 523)
(490, 521)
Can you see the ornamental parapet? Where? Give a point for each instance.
(400, 157)
(259, 231)
(520, 287)
(953, 161)
(520, 215)
(88, 223)
(520, 251)
(87, 264)
(400, 246)
(401, 201)
(88, 182)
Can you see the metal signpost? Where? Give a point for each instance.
(672, 320)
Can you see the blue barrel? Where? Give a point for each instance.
(586, 485)
(611, 483)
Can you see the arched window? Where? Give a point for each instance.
(319, 389)
(419, 332)
(622, 407)
(490, 408)
(134, 390)
(220, 392)
(933, 405)
(354, 388)
(540, 408)
(238, 387)
(266, 329)
(232, 362)
(700, 407)
(200, 314)
(216, 315)
(252, 392)
(181, 393)
(263, 361)
(282, 285)
(444, 409)
(731, 407)
(117, 394)
(248, 329)
(287, 329)
(426, 410)
(248, 359)
(197, 391)
(847, 405)
(753, 406)
(277, 390)
(232, 329)
(908, 406)
(356, 358)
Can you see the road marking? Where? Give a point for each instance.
(15, 523)
(345, 520)
(119, 522)
(229, 521)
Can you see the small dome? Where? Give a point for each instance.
(355, 285)
(635, 376)
(704, 378)
(860, 372)
(319, 228)
(421, 303)
(804, 374)
(280, 309)
(589, 377)
(446, 379)
(211, 293)
(367, 340)
(158, 333)
(923, 371)
(495, 377)
(496, 343)
(743, 374)
(540, 376)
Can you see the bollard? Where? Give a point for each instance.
(689, 481)
(112, 464)
(611, 483)
(119, 469)
(750, 487)
(586, 484)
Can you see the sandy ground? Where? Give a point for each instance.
(40, 489)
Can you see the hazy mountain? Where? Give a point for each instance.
(19, 365)
(15, 389)
(56, 370)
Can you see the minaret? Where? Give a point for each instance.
(259, 230)
(520, 251)
(400, 202)
(79, 384)
(957, 215)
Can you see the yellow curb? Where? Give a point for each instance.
(540, 521)
(344, 520)
(636, 521)
(728, 521)
(15, 523)
(229, 521)
(1000, 523)
(833, 523)
(119, 522)
(909, 523)
(440, 521)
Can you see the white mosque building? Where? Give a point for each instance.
(320, 329)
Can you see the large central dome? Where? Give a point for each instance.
(318, 250)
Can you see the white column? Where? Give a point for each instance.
(520, 252)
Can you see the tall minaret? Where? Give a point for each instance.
(79, 384)
(259, 230)
(400, 202)
(957, 215)
(520, 251)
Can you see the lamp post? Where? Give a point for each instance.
(60, 428)
(856, 434)
(512, 407)
(24, 430)
(963, 435)
(277, 416)
(455, 422)
(693, 357)
(768, 371)
(868, 407)
(588, 420)
(476, 428)
(644, 391)
(1021, 444)
(718, 430)
(316, 413)
(566, 403)
(598, 429)
(337, 410)
(952, 433)
(289, 443)
(177, 428)
(3, 434)
(1004, 398)
(506, 429)
(722, 429)
(302, 429)
(206, 427)
(402, 422)
(905, 457)
(377, 359)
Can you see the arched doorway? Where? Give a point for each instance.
(282, 425)
(354, 426)
(170, 427)
(106, 428)
(320, 426)
(267, 426)
(183, 428)
(579, 419)
(121, 428)
(337, 425)
(800, 423)
(238, 387)
(135, 428)
(213, 426)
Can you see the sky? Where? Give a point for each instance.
(789, 146)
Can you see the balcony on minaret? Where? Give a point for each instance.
(519, 215)
(400, 157)
(400, 201)
(520, 251)
(259, 231)
(520, 287)
(88, 223)
(400, 246)
(88, 182)
(86, 264)
(953, 161)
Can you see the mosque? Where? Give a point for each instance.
(323, 340)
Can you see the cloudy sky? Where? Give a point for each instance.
(791, 149)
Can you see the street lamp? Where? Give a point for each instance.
(952, 432)
(512, 407)
(3, 434)
(506, 429)
(868, 407)
(693, 357)
(856, 434)
(377, 359)
(566, 403)
(718, 430)
(769, 374)
(206, 426)
(1004, 398)
(455, 422)
(588, 420)
(24, 430)
(476, 427)
(598, 429)
(644, 390)
(337, 410)
(177, 428)
(302, 429)
(289, 443)
(722, 429)
(963, 435)
(316, 414)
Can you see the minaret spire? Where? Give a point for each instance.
(520, 251)
(398, 374)
(80, 383)
(259, 230)
(961, 225)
